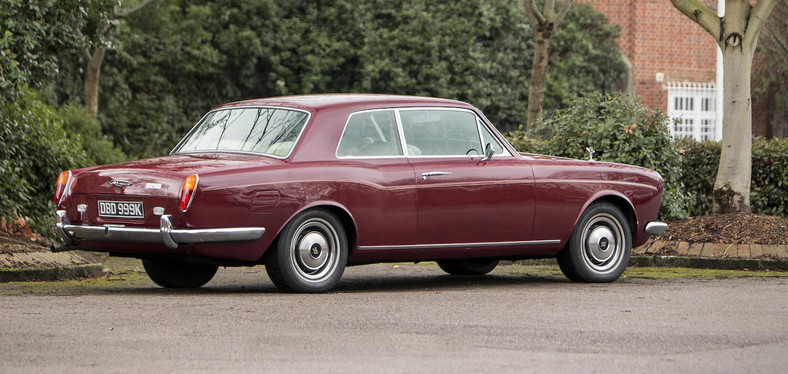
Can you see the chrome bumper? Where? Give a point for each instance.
(656, 228)
(165, 234)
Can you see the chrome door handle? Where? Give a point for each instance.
(434, 173)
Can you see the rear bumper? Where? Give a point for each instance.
(165, 234)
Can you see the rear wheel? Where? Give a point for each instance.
(310, 254)
(175, 274)
(598, 250)
(468, 267)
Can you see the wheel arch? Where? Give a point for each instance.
(619, 201)
(347, 220)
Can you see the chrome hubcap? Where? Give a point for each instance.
(603, 242)
(600, 243)
(314, 249)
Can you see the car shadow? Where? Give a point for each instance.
(362, 283)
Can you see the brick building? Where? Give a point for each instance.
(672, 61)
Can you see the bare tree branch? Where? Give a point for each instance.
(108, 28)
(758, 15)
(549, 10)
(563, 12)
(127, 12)
(535, 17)
(702, 15)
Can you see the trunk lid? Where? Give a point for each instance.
(161, 176)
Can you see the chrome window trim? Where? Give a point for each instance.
(399, 130)
(479, 122)
(457, 245)
(492, 133)
(404, 144)
(307, 122)
(446, 109)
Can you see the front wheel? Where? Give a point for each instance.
(310, 253)
(175, 274)
(468, 267)
(598, 250)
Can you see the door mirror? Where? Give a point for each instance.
(488, 152)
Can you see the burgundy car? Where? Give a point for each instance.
(310, 184)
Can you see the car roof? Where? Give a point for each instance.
(345, 101)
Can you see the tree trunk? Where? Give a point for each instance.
(732, 186)
(92, 74)
(737, 35)
(95, 59)
(538, 74)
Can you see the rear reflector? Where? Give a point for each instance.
(187, 191)
(61, 185)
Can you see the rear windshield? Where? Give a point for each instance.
(270, 131)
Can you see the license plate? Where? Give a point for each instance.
(121, 209)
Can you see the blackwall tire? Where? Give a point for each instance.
(468, 267)
(600, 246)
(310, 254)
(176, 274)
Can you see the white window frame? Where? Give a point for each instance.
(691, 107)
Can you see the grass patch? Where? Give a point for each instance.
(689, 273)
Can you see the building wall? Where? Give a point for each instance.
(657, 38)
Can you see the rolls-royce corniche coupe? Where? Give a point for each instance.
(308, 185)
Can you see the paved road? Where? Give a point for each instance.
(404, 319)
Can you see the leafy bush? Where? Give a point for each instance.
(619, 129)
(769, 191)
(699, 162)
(523, 143)
(34, 149)
(769, 187)
(99, 148)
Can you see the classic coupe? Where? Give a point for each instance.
(308, 185)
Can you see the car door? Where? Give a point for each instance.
(464, 200)
(380, 190)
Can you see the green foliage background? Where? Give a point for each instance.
(170, 65)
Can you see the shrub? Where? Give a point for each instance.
(699, 162)
(619, 129)
(523, 143)
(34, 149)
(769, 189)
(99, 148)
(769, 183)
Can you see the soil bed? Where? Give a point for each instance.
(732, 228)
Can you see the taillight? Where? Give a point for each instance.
(187, 191)
(61, 185)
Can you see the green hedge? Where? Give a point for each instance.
(699, 163)
(769, 187)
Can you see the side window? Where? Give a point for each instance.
(441, 132)
(487, 137)
(370, 134)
